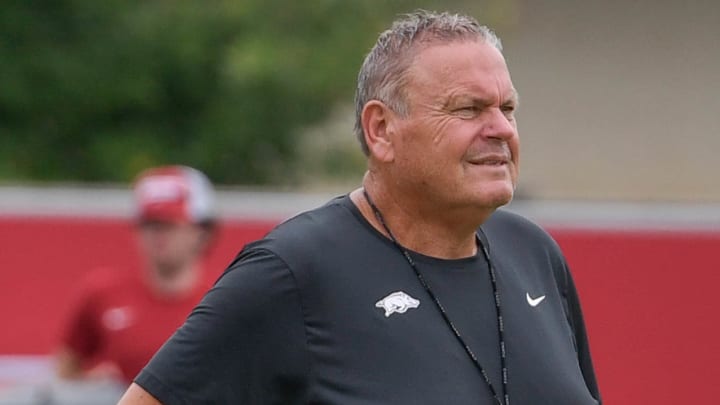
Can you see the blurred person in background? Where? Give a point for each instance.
(123, 316)
(414, 288)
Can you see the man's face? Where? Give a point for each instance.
(168, 246)
(459, 143)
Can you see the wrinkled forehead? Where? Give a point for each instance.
(473, 64)
(446, 56)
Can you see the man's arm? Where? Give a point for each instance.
(68, 364)
(243, 344)
(136, 395)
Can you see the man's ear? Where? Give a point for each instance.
(377, 120)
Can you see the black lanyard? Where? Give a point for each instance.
(498, 312)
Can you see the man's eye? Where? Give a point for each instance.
(508, 110)
(466, 111)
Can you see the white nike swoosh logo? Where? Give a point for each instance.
(534, 301)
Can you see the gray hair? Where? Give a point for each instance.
(383, 73)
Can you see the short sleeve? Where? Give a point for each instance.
(244, 343)
(574, 315)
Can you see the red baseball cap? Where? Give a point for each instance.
(174, 194)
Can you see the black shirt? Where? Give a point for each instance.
(326, 310)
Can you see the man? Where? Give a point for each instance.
(123, 317)
(412, 289)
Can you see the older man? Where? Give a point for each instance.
(412, 289)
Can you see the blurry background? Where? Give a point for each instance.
(260, 92)
(619, 122)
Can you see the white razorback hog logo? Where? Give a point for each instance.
(397, 302)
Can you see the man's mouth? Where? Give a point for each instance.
(490, 160)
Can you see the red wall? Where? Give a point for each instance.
(649, 297)
(42, 259)
(651, 306)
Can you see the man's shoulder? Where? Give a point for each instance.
(506, 225)
(324, 219)
(503, 218)
(103, 280)
(509, 233)
(310, 230)
(103, 288)
(304, 244)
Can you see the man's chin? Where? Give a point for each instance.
(166, 270)
(502, 200)
(497, 197)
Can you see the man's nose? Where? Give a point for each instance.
(499, 125)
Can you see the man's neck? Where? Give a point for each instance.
(445, 237)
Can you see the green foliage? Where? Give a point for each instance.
(98, 90)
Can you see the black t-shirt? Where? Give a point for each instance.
(326, 310)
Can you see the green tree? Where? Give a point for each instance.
(98, 90)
